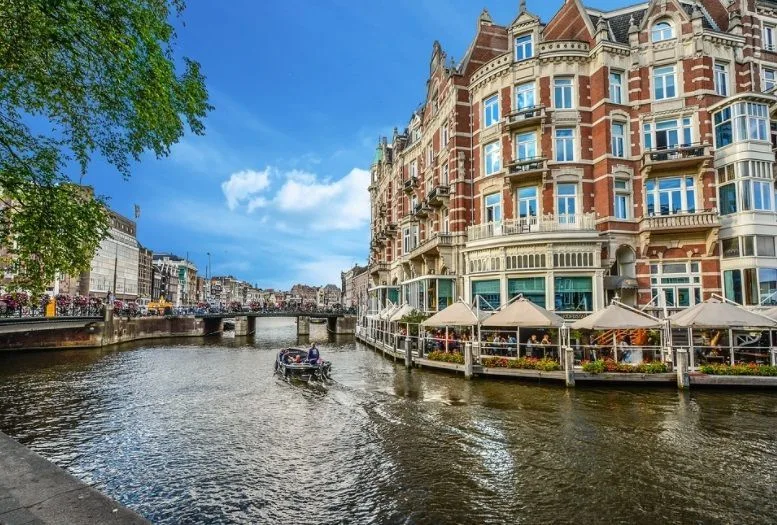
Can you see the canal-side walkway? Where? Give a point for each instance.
(35, 491)
(569, 375)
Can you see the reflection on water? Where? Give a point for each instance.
(203, 432)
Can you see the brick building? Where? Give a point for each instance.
(603, 152)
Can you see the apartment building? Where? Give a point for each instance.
(622, 152)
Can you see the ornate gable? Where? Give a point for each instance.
(571, 22)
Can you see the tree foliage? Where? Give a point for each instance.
(80, 78)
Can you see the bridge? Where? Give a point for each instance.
(339, 323)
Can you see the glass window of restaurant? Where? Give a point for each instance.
(751, 286)
(532, 288)
(489, 292)
(678, 282)
(574, 294)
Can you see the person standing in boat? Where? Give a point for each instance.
(313, 355)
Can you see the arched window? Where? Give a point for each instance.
(662, 31)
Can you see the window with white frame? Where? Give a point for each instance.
(413, 202)
(664, 83)
(566, 203)
(721, 79)
(523, 47)
(768, 37)
(741, 121)
(444, 135)
(769, 78)
(565, 144)
(493, 207)
(616, 87)
(429, 155)
(622, 206)
(562, 93)
(670, 195)
(527, 203)
(525, 146)
(493, 161)
(413, 169)
(667, 134)
(445, 221)
(444, 175)
(676, 284)
(745, 186)
(490, 111)
(525, 96)
(661, 31)
(618, 139)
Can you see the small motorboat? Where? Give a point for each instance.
(294, 362)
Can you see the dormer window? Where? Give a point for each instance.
(523, 47)
(662, 31)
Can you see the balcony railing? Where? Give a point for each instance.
(410, 184)
(435, 241)
(438, 195)
(381, 266)
(421, 209)
(545, 223)
(682, 221)
(524, 116)
(677, 155)
(526, 166)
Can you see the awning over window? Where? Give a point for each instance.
(619, 282)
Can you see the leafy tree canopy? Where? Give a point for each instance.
(78, 78)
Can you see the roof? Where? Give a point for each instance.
(713, 313)
(457, 314)
(616, 317)
(524, 313)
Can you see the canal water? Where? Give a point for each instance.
(203, 432)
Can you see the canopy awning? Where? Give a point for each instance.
(386, 312)
(401, 312)
(620, 282)
(616, 317)
(713, 313)
(524, 313)
(771, 313)
(457, 314)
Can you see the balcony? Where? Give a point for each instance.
(422, 210)
(382, 210)
(438, 196)
(583, 222)
(676, 158)
(524, 117)
(434, 243)
(390, 230)
(520, 169)
(681, 221)
(411, 184)
(380, 266)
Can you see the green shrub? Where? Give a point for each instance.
(522, 363)
(739, 369)
(608, 365)
(454, 357)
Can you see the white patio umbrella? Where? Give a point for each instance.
(524, 313)
(771, 313)
(616, 317)
(401, 312)
(457, 314)
(714, 313)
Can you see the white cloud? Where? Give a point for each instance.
(303, 199)
(244, 186)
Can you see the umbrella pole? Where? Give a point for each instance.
(731, 344)
(446, 339)
(517, 341)
(615, 345)
(690, 345)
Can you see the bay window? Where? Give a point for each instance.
(751, 181)
(664, 83)
(493, 160)
(490, 111)
(670, 195)
(525, 146)
(751, 286)
(562, 93)
(739, 122)
(525, 96)
(565, 144)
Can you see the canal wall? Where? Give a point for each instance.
(34, 490)
(62, 333)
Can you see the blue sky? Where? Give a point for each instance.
(276, 190)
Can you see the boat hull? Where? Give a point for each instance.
(286, 365)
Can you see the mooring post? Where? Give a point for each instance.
(773, 358)
(682, 369)
(569, 366)
(408, 352)
(468, 361)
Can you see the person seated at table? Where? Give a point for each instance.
(530, 344)
(512, 343)
(545, 340)
(625, 349)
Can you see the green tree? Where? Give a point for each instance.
(80, 78)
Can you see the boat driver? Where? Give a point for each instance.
(313, 354)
